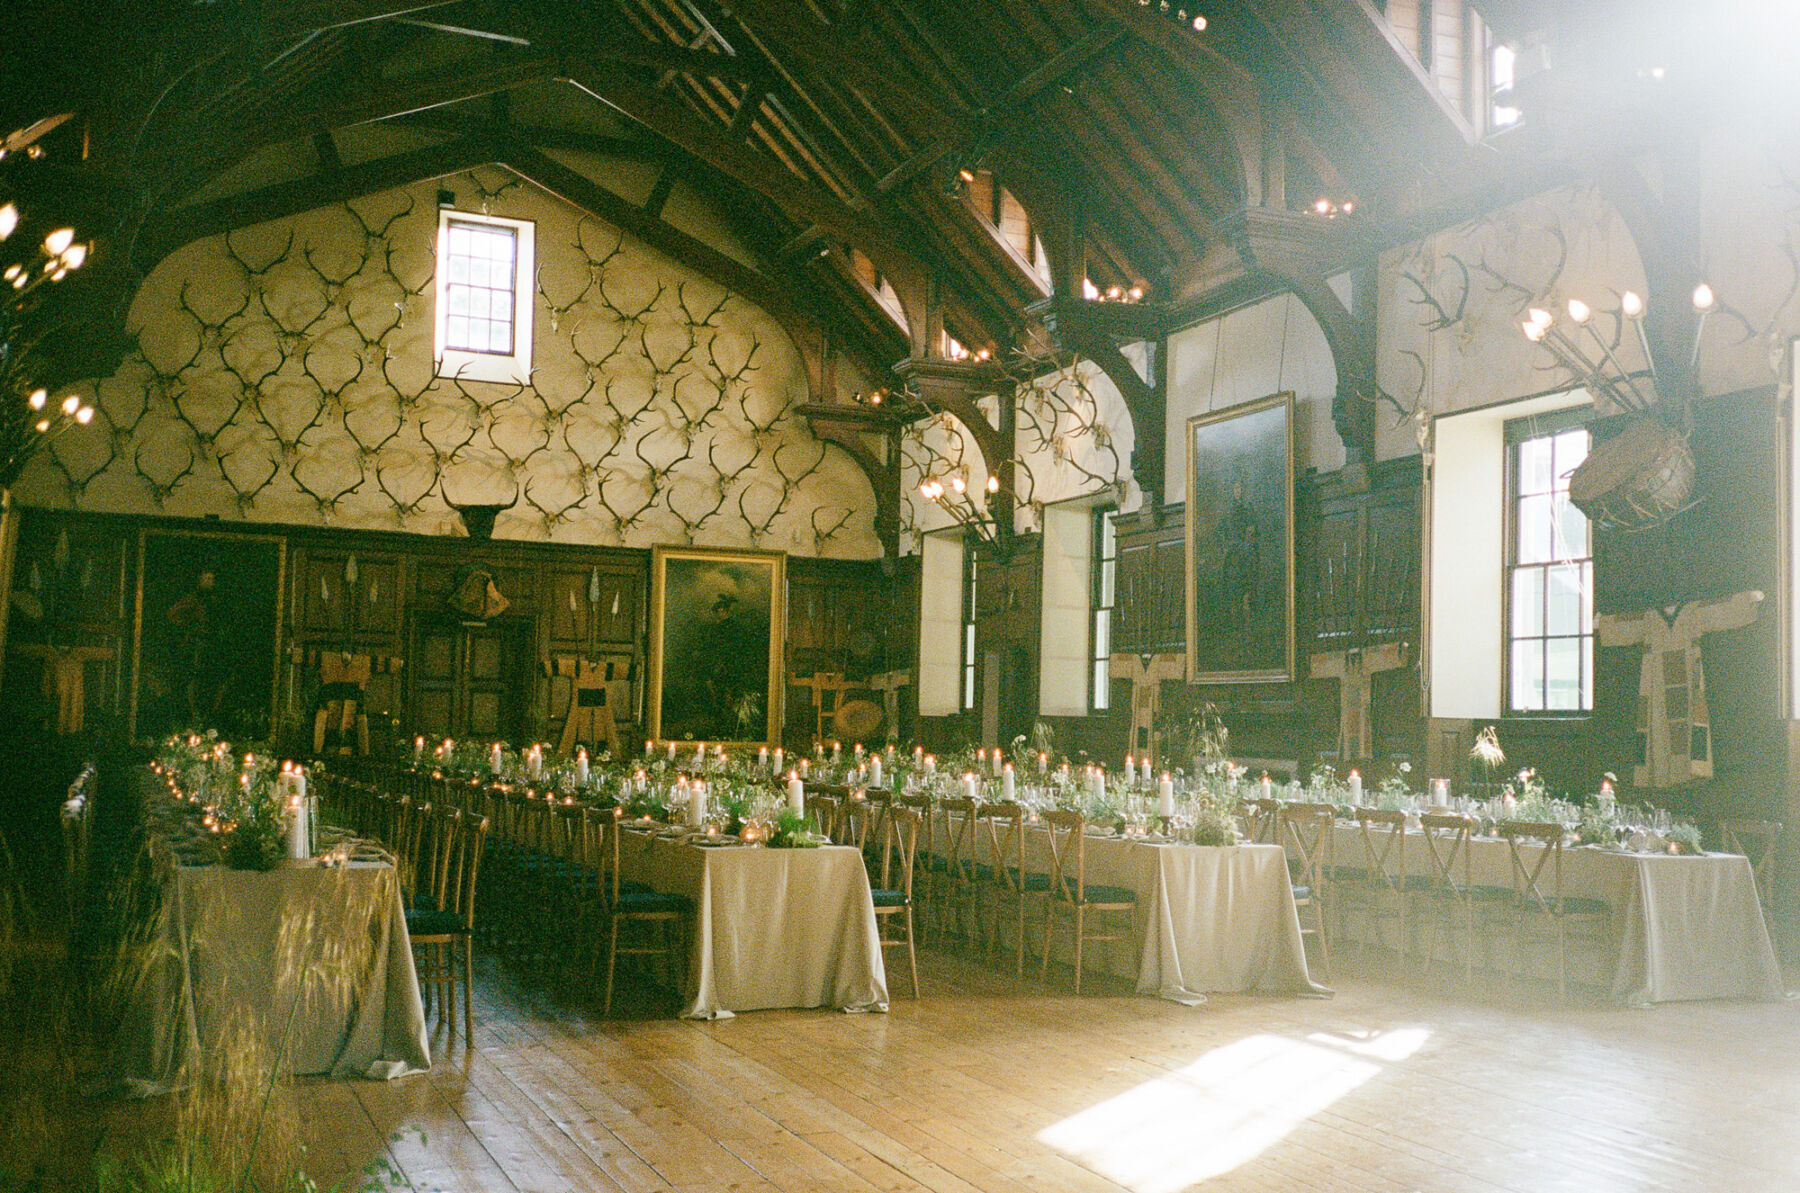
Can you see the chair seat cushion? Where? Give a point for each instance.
(422, 902)
(888, 898)
(435, 923)
(650, 902)
(1302, 892)
(1031, 881)
(1101, 893)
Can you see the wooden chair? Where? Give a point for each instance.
(1379, 887)
(1444, 886)
(1000, 839)
(630, 906)
(438, 932)
(1757, 840)
(925, 880)
(1537, 891)
(1260, 819)
(826, 811)
(960, 895)
(1308, 831)
(892, 889)
(1069, 889)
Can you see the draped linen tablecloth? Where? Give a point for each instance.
(310, 965)
(1221, 919)
(1687, 928)
(772, 927)
(1216, 919)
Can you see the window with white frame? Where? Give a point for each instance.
(1550, 571)
(1106, 563)
(486, 268)
(968, 630)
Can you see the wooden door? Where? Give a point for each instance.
(469, 680)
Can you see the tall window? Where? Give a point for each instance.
(968, 629)
(1106, 564)
(1550, 572)
(1502, 112)
(485, 282)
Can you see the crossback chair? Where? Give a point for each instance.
(1071, 891)
(1000, 840)
(1260, 820)
(825, 809)
(439, 933)
(630, 906)
(1308, 831)
(892, 889)
(927, 864)
(1379, 887)
(960, 895)
(1537, 891)
(1757, 840)
(1444, 886)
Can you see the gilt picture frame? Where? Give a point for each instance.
(718, 623)
(207, 655)
(1240, 543)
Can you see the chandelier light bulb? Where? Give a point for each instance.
(1703, 298)
(1533, 332)
(71, 404)
(74, 255)
(9, 220)
(1540, 318)
(957, 483)
(59, 241)
(43, 425)
(993, 484)
(1631, 304)
(85, 415)
(1199, 24)
(1579, 312)
(38, 398)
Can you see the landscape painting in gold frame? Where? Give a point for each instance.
(1240, 543)
(718, 620)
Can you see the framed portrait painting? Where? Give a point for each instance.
(208, 627)
(717, 623)
(1240, 543)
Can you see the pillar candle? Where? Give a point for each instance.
(1096, 783)
(779, 755)
(1268, 788)
(1355, 788)
(494, 759)
(1145, 771)
(968, 785)
(696, 804)
(1131, 766)
(1607, 802)
(1440, 792)
(647, 744)
(671, 751)
(858, 749)
(981, 759)
(837, 752)
(931, 764)
(1007, 790)
(449, 749)
(875, 770)
(796, 795)
(581, 766)
(918, 755)
(1043, 762)
(1165, 796)
(296, 835)
(700, 757)
(996, 761)
(537, 762)
(805, 766)
(762, 757)
(418, 748)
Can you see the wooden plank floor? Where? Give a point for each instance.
(987, 1086)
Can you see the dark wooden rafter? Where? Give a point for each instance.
(850, 428)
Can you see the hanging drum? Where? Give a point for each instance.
(859, 717)
(1640, 478)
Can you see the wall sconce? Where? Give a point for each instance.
(1603, 372)
(956, 501)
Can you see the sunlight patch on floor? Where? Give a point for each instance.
(1225, 1109)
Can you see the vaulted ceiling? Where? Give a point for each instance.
(1178, 153)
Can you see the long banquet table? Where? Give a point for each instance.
(313, 964)
(772, 927)
(1215, 919)
(1686, 927)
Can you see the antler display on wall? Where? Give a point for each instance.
(286, 372)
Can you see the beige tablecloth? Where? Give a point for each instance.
(772, 927)
(311, 967)
(1686, 927)
(1214, 919)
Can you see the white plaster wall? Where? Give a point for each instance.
(285, 375)
(1268, 348)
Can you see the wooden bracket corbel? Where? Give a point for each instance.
(849, 427)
